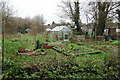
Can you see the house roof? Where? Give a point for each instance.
(59, 28)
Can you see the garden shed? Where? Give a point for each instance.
(27, 30)
(61, 33)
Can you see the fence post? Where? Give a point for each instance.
(3, 39)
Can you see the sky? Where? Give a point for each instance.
(48, 8)
(30, 8)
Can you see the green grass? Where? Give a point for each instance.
(46, 63)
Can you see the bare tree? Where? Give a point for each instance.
(118, 12)
(72, 11)
(105, 8)
(102, 12)
(39, 22)
(7, 15)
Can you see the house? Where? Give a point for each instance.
(112, 29)
(61, 33)
(86, 28)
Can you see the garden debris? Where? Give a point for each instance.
(31, 54)
(21, 49)
(45, 46)
(87, 53)
(28, 52)
(100, 49)
(90, 53)
(60, 51)
(48, 47)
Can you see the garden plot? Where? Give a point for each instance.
(105, 46)
(55, 64)
(73, 49)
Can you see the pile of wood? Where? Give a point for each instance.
(28, 52)
(31, 54)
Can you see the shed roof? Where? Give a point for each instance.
(59, 28)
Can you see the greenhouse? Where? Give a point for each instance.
(61, 33)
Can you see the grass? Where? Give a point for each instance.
(46, 63)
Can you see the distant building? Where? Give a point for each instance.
(111, 29)
(27, 30)
(86, 28)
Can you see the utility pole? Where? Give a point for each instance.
(3, 40)
(3, 33)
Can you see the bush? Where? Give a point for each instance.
(111, 66)
(47, 40)
(38, 44)
(12, 70)
(115, 42)
(54, 40)
(78, 33)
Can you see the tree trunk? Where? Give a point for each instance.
(77, 16)
(102, 16)
(101, 27)
(118, 11)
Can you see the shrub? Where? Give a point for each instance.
(111, 66)
(12, 70)
(78, 33)
(38, 45)
(47, 40)
(54, 40)
(116, 42)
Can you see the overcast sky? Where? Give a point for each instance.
(31, 8)
(48, 8)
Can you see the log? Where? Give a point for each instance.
(88, 53)
(31, 54)
(100, 49)
(60, 51)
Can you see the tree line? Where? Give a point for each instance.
(98, 13)
(15, 24)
